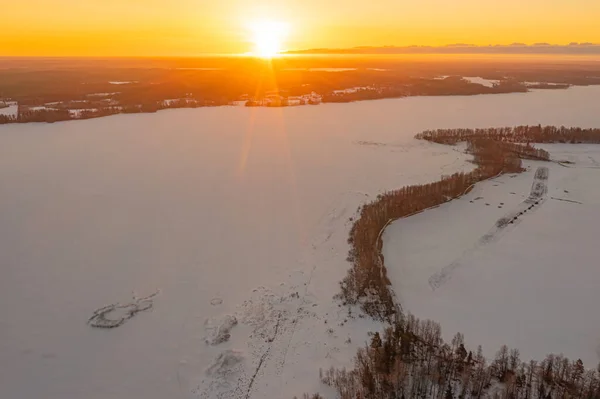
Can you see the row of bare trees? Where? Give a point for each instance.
(517, 134)
(411, 360)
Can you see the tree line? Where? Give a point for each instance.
(411, 360)
(50, 115)
(518, 134)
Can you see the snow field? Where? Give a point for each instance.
(233, 215)
(528, 284)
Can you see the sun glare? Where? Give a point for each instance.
(268, 37)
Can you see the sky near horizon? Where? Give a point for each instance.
(194, 27)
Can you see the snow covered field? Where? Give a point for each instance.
(239, 218)
(10, 110)
(481, 81)
(530, 285)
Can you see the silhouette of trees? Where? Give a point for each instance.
(413, 361)
(518, 134)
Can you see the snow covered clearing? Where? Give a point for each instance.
(122, 82)
(512, 262)
(10, 110)
(481, 81)
(541, 83)
(351, 90)
(239, 217)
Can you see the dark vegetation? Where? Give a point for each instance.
(199, 82)
(411, 360)
(519, 134)
(61, 112)
(556, 86)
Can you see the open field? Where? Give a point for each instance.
(512, 262)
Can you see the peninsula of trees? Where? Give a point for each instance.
(411, 360)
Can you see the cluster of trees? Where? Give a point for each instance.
(56, 115)
(367, 94)
(456, 85)
(42, 115)
(7, 119)
(63, 114)
(411, 360)
(548, 86)
(518, 134)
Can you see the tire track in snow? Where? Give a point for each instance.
(262, 358)
(294, 305)
(274, 317)
(537, 196)
(335, 222)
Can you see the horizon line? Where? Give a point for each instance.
(573, 48)
(541, 48)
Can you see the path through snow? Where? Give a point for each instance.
(537, 196)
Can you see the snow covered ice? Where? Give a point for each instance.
(239, 218)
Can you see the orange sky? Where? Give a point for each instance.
(193, 27)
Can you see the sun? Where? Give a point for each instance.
(268, 37)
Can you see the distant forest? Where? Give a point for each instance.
(108, 86)
(411, 360)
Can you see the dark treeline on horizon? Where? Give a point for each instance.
(51, 115)
(145, 83)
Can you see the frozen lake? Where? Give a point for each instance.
(229, 211)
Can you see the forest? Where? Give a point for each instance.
(411, 360)
(518, 134)
(50, 115)
(143, 85)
